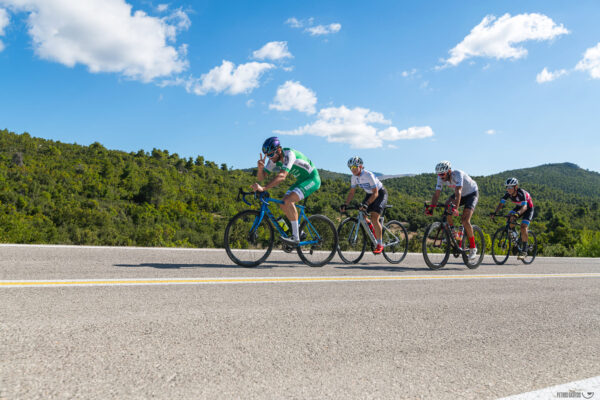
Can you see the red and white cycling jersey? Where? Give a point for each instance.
(521, 198)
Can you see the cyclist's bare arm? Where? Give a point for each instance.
(350, 196)
(457, 195)
(373, 196)
(435, 197)
(498, 208)
(261, 175)
(277, 180)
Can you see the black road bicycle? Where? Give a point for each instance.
(439, 241)
(507, 240)
(353, 233)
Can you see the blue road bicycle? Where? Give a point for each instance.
(249, 235)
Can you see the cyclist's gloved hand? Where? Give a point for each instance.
(363, 206)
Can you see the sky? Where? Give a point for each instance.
(490, 86)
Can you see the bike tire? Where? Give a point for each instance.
(480, 243)
(346, 248)
(532, 248)
(501, 241)
(433, 233)
(321, 253)
(396, 253)
(244, 249)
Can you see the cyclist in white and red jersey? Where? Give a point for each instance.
(284, 161)
(465, 193)
(375, 199)
(523, 209)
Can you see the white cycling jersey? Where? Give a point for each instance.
(458, 178)
(366, 180)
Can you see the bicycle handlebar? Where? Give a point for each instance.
(257, 195)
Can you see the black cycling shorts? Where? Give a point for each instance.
(380, 202)
(527, 215)
(469, 201)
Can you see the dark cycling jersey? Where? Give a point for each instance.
(521, 198)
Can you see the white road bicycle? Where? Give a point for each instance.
(354, 232)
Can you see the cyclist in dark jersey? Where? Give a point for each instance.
(523, 208)
(284, 161)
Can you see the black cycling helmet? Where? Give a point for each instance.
(511, 182)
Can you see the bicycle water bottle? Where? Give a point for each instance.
(458, 234)
(281, 222)
(514, 235)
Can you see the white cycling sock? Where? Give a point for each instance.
(380, 241)
(295, 232)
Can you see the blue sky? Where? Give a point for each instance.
(489, 85)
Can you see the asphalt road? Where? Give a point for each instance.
(133, 323)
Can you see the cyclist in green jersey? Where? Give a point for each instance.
(284, 161)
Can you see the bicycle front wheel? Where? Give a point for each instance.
(322, 231)
(501, 246)
(248, 245)
(531, 248)
(436, 246)
(395, 242)
(479, 242)
(352, 241)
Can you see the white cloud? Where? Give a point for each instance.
(105, 36)
(229, 79)
(162, 7)
(250, 103)
(324, 29)
(318, 30)
(355, 127)
(591, 62)
(490, 132)
(294, 23)
(272, 51)
(495, 38)
(4, 21)
(410, 73)
(293, 96)
(547, 76)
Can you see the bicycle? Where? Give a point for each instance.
(353, 231)
(249, 236)
(439, 241)
(507, 238)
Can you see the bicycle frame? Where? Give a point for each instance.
(362, 220)
(265, 200)
(446, 227)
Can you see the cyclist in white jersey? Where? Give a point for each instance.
(375, 199)
(465, 193)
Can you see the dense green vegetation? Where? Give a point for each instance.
(53, 192)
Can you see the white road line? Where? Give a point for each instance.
(293, 279)
(584, 389)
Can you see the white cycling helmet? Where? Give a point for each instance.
(442, 167)
(511, 182)
(355, 161)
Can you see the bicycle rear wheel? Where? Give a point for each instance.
(245, 246)
(501, 246)
(321, 230)
(395, 242)
(436, 246)
(479, 242)
(352, 241)
(531, 248)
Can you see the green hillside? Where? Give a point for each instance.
(54, 192)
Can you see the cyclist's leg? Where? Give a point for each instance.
(527, 217)
(449, 218)
(375, 210)
(470, 202)
(291, 197)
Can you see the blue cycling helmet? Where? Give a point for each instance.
(270, 145)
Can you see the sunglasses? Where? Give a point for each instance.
(271, 154)
(354, 167)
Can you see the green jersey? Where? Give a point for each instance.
(295, 163)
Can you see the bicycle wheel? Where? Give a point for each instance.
(395, 242)
(323, 231)
(479, 242)
(501, 246)
(247, 247)
(352, 241)
(531, 248)
(436, 246)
